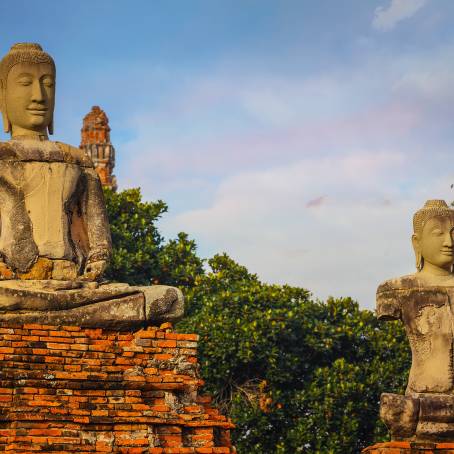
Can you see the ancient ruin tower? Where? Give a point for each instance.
(95, 141)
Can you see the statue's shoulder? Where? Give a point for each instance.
(407, 282)
(74, 154)
(7, 151)
(391, 296)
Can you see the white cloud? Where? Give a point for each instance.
(337, 226)
(310, 181)
(429, 78)
(230, 121)
(387, 18)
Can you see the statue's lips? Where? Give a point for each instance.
(40, 112)
(448, 252)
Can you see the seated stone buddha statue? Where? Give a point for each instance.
(424, 302)
(54, 234)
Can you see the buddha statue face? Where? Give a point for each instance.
(27, 90)
(30, 98)
(435, 243)
(433, 238)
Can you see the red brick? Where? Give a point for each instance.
(65, 398)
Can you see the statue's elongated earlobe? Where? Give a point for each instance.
(50, 128)
(6, 123)
(419, 261)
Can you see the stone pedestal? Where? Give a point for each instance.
(406, 447)
(67, 389)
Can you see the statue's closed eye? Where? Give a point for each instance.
(25, 81)
(48, 82)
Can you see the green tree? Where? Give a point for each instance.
(294, 373)
(140, 255)
(179, 264)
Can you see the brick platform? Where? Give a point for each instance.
(67, 389)
(405, 447)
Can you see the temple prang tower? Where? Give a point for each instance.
(95, 141)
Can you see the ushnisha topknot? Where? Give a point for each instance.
(430, 209)
(23, 53)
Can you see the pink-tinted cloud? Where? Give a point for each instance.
(318, 201)
(351, 242)
(364, 136)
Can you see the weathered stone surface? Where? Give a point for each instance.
(163, 304)
(400, 414)
(405, 447)
(428, 417)
(426, 312)
(89, 304)
(53, 217)
(424, 303)
(67, 389)
(42, 269)
(46, 198)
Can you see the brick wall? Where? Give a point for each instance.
(67, 389)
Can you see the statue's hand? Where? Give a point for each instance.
(94, 270)
(163, 303)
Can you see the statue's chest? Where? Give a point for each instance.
(430, 313)
(48, 184)
(39, 180)
(46, 190)
(428, 317)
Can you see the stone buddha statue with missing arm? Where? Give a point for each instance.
(54, 234)
(424, 302)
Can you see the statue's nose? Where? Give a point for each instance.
(448, 239)
(37, 92)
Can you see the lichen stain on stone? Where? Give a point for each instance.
(41, 270)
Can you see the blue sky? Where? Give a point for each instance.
(297, 136)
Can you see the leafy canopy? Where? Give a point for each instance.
(140, 255)
(294, 373)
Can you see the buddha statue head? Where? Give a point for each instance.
(27, 91)
(433, 232)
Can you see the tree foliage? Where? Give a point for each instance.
(294, 373)
(140, 255)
